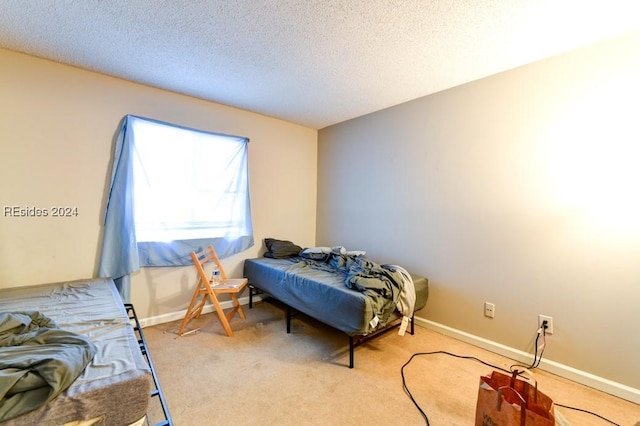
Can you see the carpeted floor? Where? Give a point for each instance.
(264, 376)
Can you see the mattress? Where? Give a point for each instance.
(114, 388)
(321, 294)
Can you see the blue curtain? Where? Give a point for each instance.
(121, 254)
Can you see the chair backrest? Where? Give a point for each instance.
(200, 259)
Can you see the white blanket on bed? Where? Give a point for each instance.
(407, 299)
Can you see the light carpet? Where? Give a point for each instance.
(264, 376)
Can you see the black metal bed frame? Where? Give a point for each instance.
(157, 391)
(354, 340)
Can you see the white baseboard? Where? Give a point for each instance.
(178, 315)
(578, 376)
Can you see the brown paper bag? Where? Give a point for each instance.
(506, 400)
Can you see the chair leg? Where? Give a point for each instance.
(237, 307)
(203, 301)
(221, 316)
(192, 310)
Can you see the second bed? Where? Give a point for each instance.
(320, 292)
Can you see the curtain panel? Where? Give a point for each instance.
(121, 253)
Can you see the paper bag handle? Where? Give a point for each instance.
(514, 375)
(523, 404)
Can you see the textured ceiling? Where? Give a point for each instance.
(312, 62)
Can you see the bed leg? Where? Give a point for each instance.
(351, 349)
(250, 297)
(412, 325)
(288, 319)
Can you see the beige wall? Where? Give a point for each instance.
(58, 125)
(520, 189)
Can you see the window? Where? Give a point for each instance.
(188, 184)
(173, 191)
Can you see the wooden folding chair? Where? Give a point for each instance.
(205, 289)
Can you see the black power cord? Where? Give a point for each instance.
(406, 388)
(534, 364)
(586, 411)
(542, 331)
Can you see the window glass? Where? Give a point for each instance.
(188, 184)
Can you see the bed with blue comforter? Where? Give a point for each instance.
(343, 289)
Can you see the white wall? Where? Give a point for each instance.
(58, 126)
(520, 189)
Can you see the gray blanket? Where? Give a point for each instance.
(38, 361)
(382, 284)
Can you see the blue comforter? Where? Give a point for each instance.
(348, 292)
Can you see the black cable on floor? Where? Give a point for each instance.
(535, 363)
(586, 411)
(404, 383)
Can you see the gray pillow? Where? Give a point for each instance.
(278, 249)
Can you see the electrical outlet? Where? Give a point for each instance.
(549, 320)
(489, 309)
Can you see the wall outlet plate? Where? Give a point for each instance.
(549, 320)
(489, 309)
